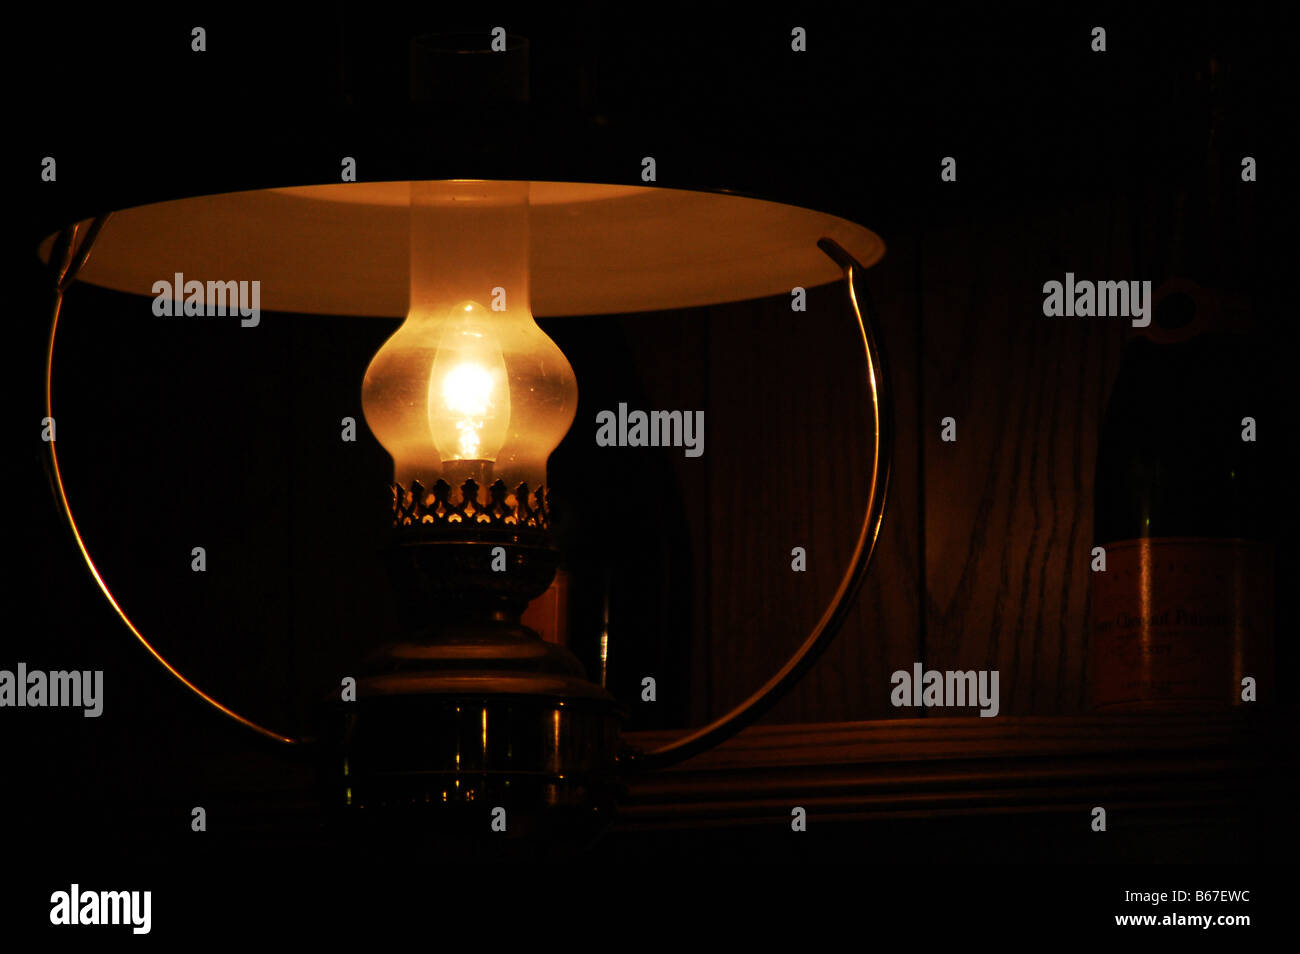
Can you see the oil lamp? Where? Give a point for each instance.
(470, 718)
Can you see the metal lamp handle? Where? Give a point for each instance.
(724, 727)
(66, 259)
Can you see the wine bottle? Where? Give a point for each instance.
(1182, 613)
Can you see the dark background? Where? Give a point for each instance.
(184, 434)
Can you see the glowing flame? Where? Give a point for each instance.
(467, 394)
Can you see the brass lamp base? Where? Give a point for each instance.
(472, 733)
(484, 775)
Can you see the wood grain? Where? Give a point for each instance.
(1008, 521)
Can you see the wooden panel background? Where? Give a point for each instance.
(1008, 505)
(982, 561)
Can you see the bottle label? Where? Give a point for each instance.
(1181, 621)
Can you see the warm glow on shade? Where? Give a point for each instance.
(470, 386)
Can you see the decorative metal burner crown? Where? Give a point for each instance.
(421, 506)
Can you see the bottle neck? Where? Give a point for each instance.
(1202, 285)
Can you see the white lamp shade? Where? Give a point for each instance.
(343, 249)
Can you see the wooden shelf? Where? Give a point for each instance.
(955, 767)
(1175, 788)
